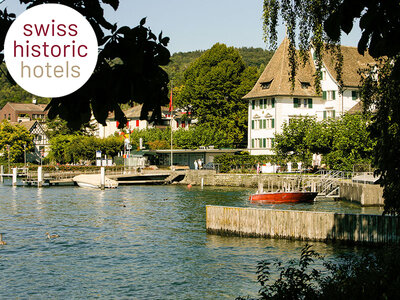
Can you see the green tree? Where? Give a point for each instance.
(16, 137)
(343, 142)
(293, 141)
(58, 126)
(214, 86)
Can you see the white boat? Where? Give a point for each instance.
(94, 181)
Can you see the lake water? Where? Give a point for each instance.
(135, 242)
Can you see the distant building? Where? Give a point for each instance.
(40, 139)
(134, 122)
(22, 112)
(272, 101)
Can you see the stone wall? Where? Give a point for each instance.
(302, 225)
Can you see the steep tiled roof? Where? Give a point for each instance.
(276, 74)
(28, 124)
(28, 107)
(352, 62)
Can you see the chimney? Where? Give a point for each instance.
(34, 100)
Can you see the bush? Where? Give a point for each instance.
(372, 275)
(243, 162)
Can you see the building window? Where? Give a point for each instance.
(263, 124)
(355, 95)
(305, 85)
(266, 103)
(329, 114)
(266, 85)
(302, 103)
(329, 95)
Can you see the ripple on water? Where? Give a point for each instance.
(139, 242)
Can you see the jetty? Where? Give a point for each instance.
(122, 176)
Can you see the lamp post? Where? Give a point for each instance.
(8, 150)
(25, 156)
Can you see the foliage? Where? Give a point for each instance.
(214, 86)
(59, 126)
(367, 276)
(192, 138)
(138, 77)
(244, 161)
(180, 61)
(343, 142)
(14, 93)
(383, 96)
(16, 137)
(293, 139)
(73, 148)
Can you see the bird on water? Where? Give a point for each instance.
(52, 236)
(1, 240)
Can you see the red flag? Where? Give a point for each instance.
(170, 102)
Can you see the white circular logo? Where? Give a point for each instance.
(50, 50)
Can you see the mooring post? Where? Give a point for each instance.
(14, 177)
(102, 178)
(40, 176)
(260, 186)
(1, 173)
(202, 182)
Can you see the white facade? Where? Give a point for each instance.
(266, 115)
(136, 124)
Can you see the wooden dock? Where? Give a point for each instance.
(302, 225)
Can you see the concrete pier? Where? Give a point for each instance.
(302, 225)
(363, 194)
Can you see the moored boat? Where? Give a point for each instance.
(94, 181)
(283, 197)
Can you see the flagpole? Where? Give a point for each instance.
(172, 117)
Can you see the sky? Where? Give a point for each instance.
(196, 25)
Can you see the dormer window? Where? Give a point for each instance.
(305, 85)
(266, 85)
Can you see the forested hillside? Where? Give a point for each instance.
(180, 61)
(14, 93)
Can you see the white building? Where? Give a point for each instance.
(272, 101)
(134, 122)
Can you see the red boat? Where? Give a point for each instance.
(283, 197)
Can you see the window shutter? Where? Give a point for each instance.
(309, 103)
(264, 143)
(333, 113)
(252, 124)
(252, 143)
(253, 104)
(273, 102)
(333, 95)
(260, 124)
(354, 95)
(264, 123)
(295, 102)
(324, 95)
(272, 142)
(273, 123)
(324, 114)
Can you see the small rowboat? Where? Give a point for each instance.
(283, 197)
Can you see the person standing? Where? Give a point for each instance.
(200, 163)
(195, 164)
